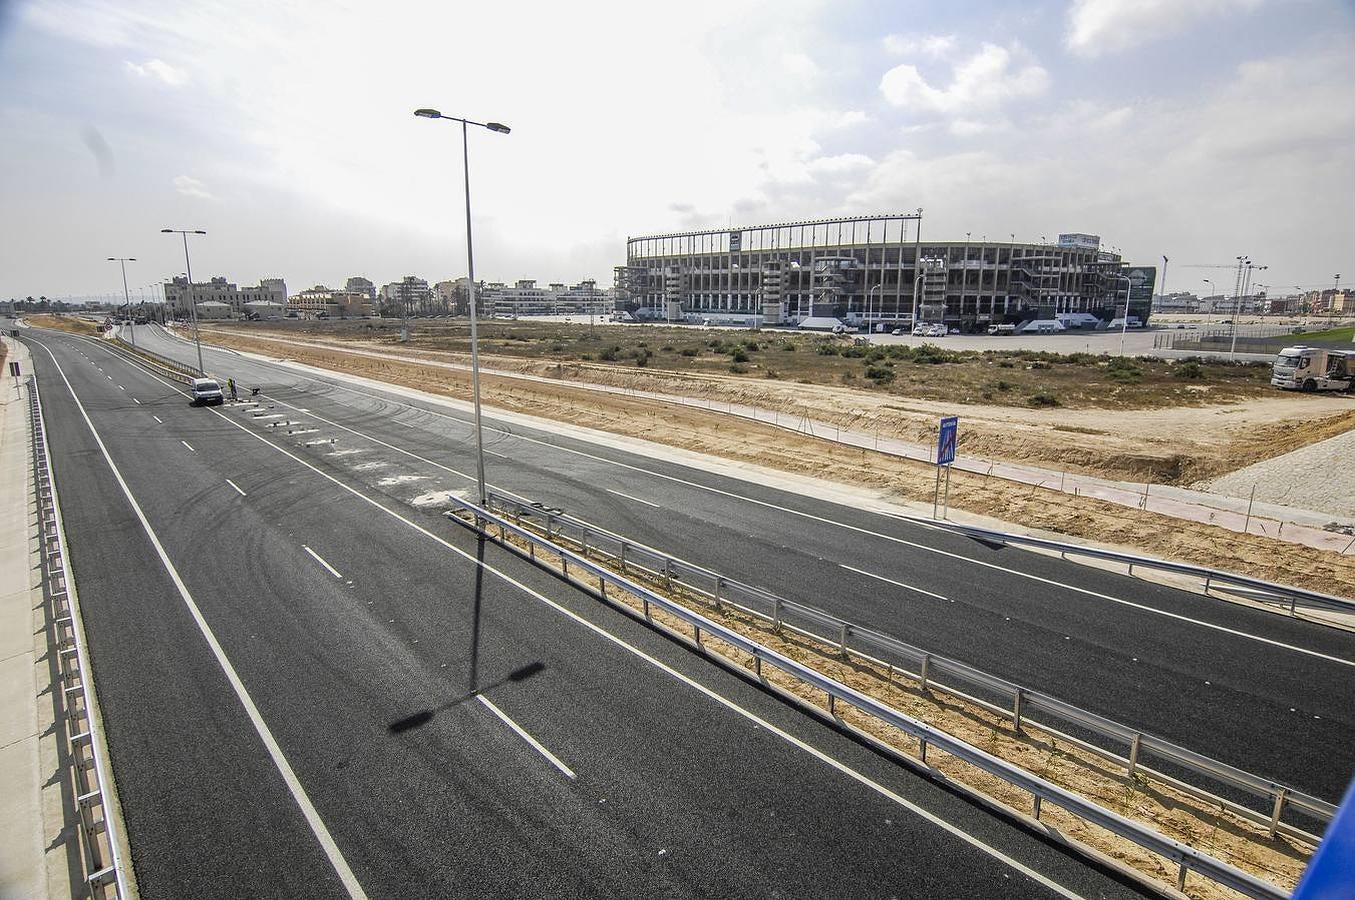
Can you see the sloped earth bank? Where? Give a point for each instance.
(1177, 445)
(765, 445)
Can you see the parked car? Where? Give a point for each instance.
(205, 391)
(897, 331)
(936, 331)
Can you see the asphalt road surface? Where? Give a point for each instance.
(337, 605)
(1266, 693)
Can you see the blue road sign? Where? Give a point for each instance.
(1331, 872)
(945, 441)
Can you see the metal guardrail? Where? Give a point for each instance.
(1186, 858)
(1252, 587)
(169, 367)
(933, 671)
(105, 870)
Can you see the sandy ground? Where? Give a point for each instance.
(1177, 446)
(900, 480)
(1319, 476)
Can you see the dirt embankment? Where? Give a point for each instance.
(776, 448)
(73, 324)
(1163, 445)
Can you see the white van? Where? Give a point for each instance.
(205, 391)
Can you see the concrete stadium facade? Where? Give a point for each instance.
(873, 269)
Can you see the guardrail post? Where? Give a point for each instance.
(1134, 753)
(719, 583)
(776, 615)
(1181, 877)
(550, 520)
(1293, 600)
(1280, 797)
(1035, 806)
(922, 748)
(842, 640)
(1018, 701)
(583, 544)
(668, 572)
(623, 558)
(926, 666)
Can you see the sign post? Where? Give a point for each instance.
(945, 455)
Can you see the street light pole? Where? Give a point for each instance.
(188, 266)
(123, 261)
(470, 272)
(869, 306)
(1124, 325)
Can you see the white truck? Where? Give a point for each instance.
(1311, 369)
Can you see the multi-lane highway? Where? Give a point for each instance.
(1260, 691)
(261, 604)
(259, 611)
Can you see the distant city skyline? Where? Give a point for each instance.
(1199, 130)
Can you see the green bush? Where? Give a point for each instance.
(738, 368)
(1044, 399)
(690, 351)
(667, 348)
(738, 356)
(880, 374)
(1003, 385)
(827, 348)
(1188, 370)
(609, 354)
(787, 347)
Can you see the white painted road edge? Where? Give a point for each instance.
(522, 733)
(318, 558)
(636, 499)
(317, 825)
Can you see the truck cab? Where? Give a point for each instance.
(1312, 369)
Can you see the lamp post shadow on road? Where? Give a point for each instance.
(499, 128)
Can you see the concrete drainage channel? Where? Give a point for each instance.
(992, 740)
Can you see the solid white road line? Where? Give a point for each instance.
(317, 825)
(121, 388)
(890, 581)
(156, 418)
(237, 488)
(718, 698)
(636, 499)
(188, 445)
(136, 401)
(522, 733)
(499, 455)
(320, 559)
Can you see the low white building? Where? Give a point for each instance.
(214, 309)
(525, 298)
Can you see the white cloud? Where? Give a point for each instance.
(933, 45)
(191, 187)
(1096, 27)
(989, 78)
(842, 163)
(847, 119)
(159, 69)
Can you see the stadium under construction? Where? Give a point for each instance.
(877, 271)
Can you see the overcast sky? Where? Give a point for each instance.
(1199, 129)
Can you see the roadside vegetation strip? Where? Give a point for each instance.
(1000, 375)
(73, 324)
(768, 446)
(1174, 813)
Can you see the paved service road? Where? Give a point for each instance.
(1260, 691)
(260, 610)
